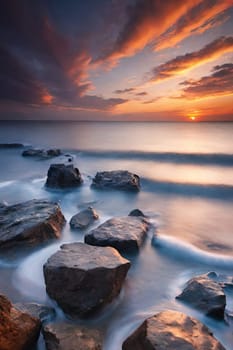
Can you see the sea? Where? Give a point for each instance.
(186, 172)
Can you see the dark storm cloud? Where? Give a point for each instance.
(42, 60)
(218, 83)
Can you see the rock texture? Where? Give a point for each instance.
(82, 278)
(84, 218)
(63, 176)
(205, 295)
(43, 312)
(172, 330)
(18, 330)
(30, 223)
(123, 233)
(41, 153)
(117, 179)
(64, 336)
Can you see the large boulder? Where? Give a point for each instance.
(123, 233)
(30, 223)
(206, 295)
(172, 330)
(18, 330)
(84, 218)
(116, 179)
(63, 176)
(82, 278)
(65, 336)
(41, 153)
(43, 312)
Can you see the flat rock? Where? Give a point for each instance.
(117, 179)
(123, 233)
(63, 176)
(41, 153)
(206, 295)
(84, 218)
(18, 330)
(172, 330)
(43, 312)
(30, 223)
(83, 278)
(11, 145)
(64, 336)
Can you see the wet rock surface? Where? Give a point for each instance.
(123, 233)
(117, 179)
(172, 330)
(63, 176)
(206, 295)
(18, 330)
(136, 212)
(41, 153)
(83, 278)
(43, 312)
(30, 223)
(64, 336)
(84, 218)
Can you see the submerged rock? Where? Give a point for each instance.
(206, 295)
(82, 278)
(18, 330)
(172, 330)
(65, 336)
(84, 218)
(30, 223)
(43, 312)
(63, 176)
(41, 153)
(136, 212)
(117, 179)
(123, 233)
(11, 145)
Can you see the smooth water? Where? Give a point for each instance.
(186, 172)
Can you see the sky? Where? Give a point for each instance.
(116, 60)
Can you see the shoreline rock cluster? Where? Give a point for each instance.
(83, 278)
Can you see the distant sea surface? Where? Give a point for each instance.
(186, 172)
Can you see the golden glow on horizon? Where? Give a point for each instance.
(192, 118)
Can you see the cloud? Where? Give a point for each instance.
(217, 84)
(203, 16)
(124, 91)
(145, 21)
(143, 93)
(190, 60)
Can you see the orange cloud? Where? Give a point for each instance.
(190, 60)
(197, 20)
(147, 19)
(217, 84)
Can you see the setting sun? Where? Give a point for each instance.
(192, 118)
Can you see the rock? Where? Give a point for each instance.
(82, 278)
(43, 312)
(18, 330)
(84, 218)
(11, 145)
(64, 336)
(136, 212)
(118, 179)
(41, 153)
(123, 233)
(3, 205)
(62, 176)
(205, 295)
(30, 223)
(172, 330)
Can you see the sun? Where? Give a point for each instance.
(193, 115)
(192, 118)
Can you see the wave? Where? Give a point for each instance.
(181, 250)
(221, 159)
(6, 183)
(188, 189)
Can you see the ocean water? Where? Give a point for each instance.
(186, 172)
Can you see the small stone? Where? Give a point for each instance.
(43, 312)
(84, 218)
(136, 212)
(117, 179)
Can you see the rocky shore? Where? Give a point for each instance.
(83, 278)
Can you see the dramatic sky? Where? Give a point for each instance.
(116, 60)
